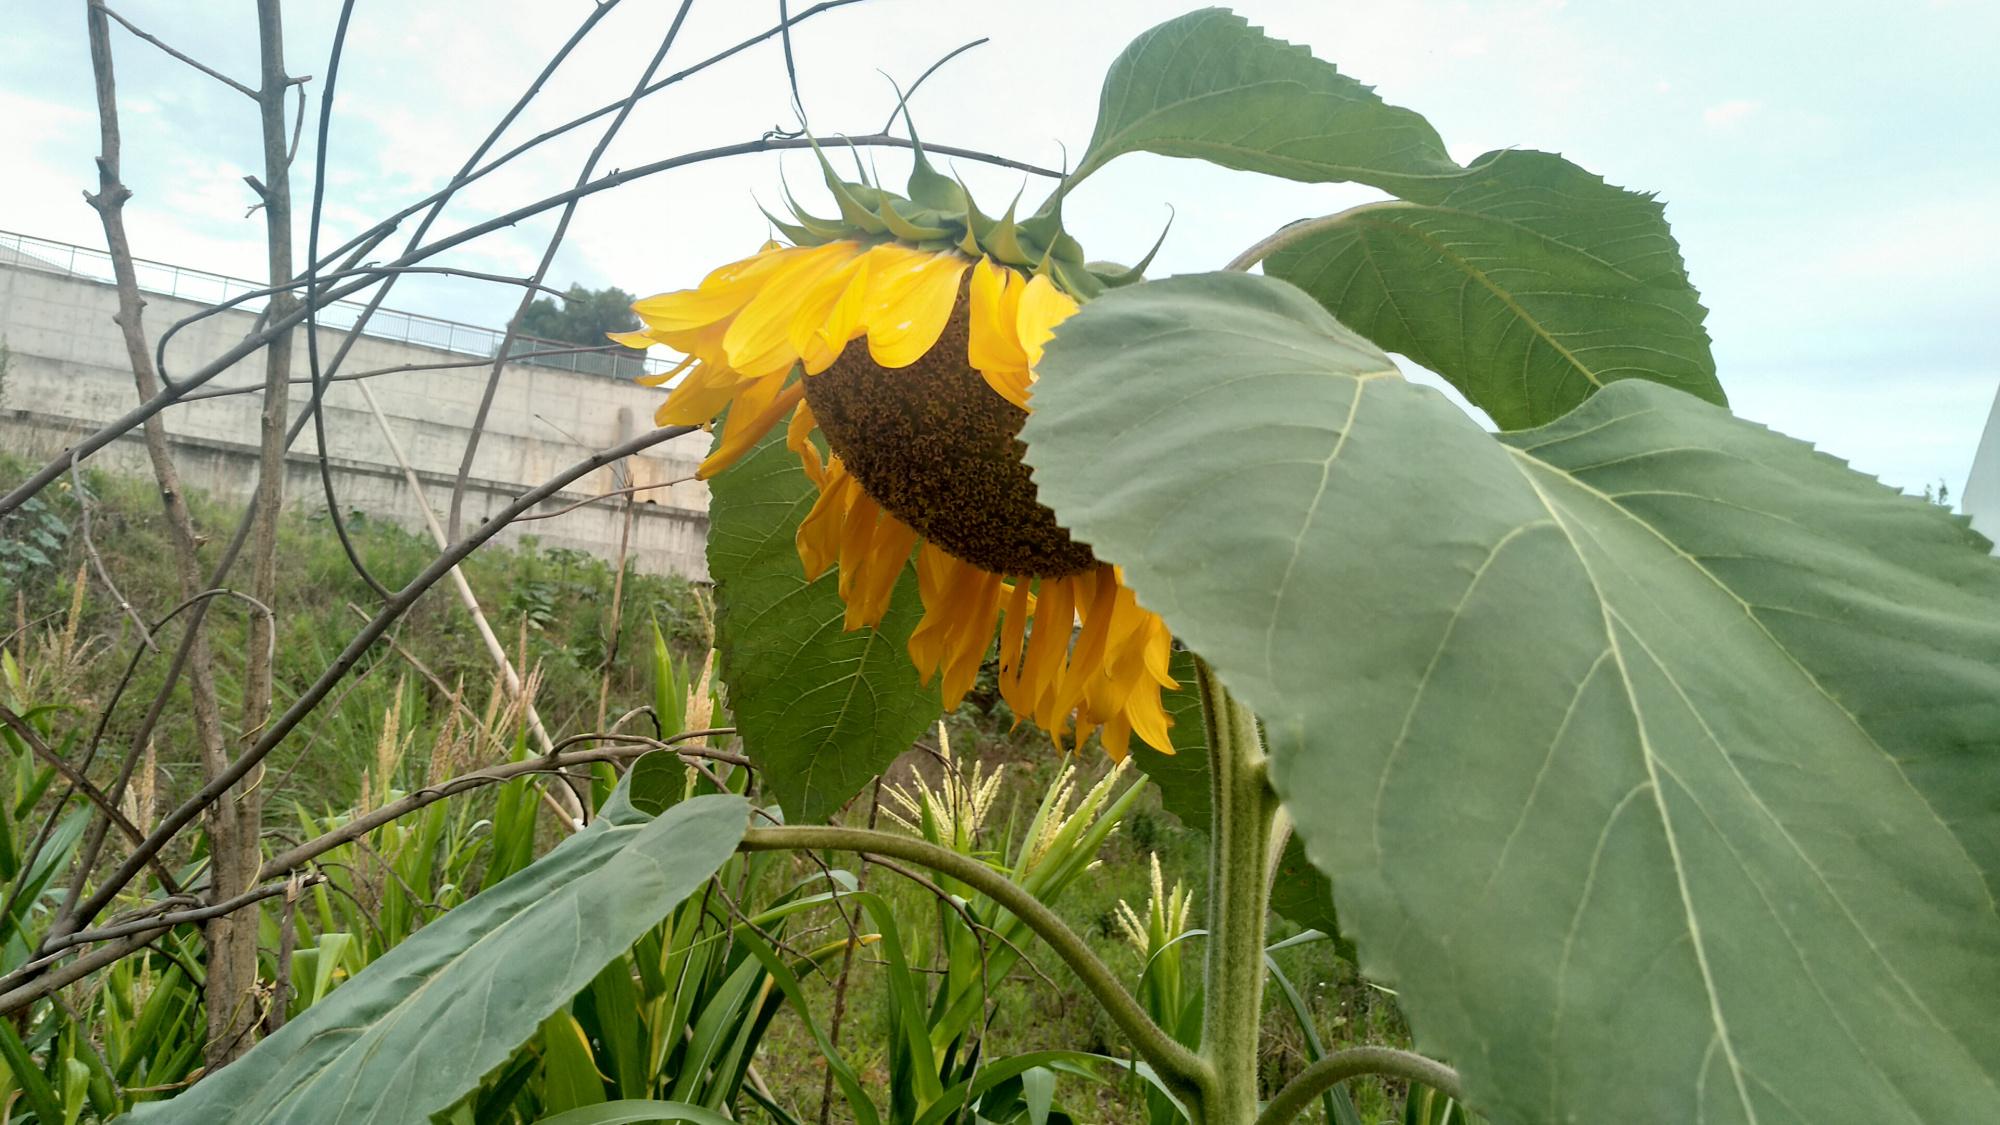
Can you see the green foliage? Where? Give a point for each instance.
(32, 541)
(1523, 279)
(1529, 285)
(820, 709)
(1298, 891)
(1209, 85)
(584, 316)
(496, 966)
(1633, 859)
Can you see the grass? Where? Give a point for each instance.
(552, 606)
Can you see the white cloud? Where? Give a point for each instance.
(1724, 115)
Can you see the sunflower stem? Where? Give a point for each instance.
(1244, 811)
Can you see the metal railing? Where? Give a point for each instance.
(25, 251)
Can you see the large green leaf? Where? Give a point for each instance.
(1655, 756)
(1209, 85)
(1523, 279)
(820, 710)
(1529, 285)
(1298, 891)
(409, 1035)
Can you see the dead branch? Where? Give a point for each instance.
(208, 70)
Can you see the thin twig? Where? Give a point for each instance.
(105, 805)
(297, 857)
(478, 427)
(97, 561)
(400, 369)
(208, 70)
(904, 96)
(275, 731)
(587, 501)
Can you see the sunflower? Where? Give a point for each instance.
(920, 426)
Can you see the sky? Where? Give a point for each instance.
(1828, 167)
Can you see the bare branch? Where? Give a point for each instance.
(310, 698)
(97, 561)
(106, 807)
(622, 749)
(456, 509)
(112, 431)
(208, 70)
(637, 488)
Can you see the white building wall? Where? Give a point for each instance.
(1982, 489)
(69, 375)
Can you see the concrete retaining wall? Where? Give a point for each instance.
(68, 376)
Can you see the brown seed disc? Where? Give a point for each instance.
(937, 448)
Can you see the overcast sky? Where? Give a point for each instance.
(1828, 167)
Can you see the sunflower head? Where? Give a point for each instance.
(920, 428)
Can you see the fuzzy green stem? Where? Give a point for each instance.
(1340, 1066)
(1243, 809)
(1176, 1065)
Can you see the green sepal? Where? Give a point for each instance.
(977, 225)
(799, 235)
(1004, 241)
(822, 230)
(1113, 275)
(927, 185)
(1074, 279)
(853, 210)
(906, 228)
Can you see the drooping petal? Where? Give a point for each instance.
(1043, 306)
(699, 398)
(639, 340)
(751, 416)
(820, 532)
(720, 295)
(660, 378)
(759, 339)
(831, 316)
(908, 306)
(995, 342)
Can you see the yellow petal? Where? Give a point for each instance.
(798, 439)
(758, 341)
(1043, 306)
(907, 308)
(819, 534)
(979, 611)
(666, 376)
(639, 340)
(1014, 386)
(751, 416)
(869, 599)
(995, 344)
(1014, 626)
(825, 323)
(720, 296)
(937, 574)
(700, 397)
